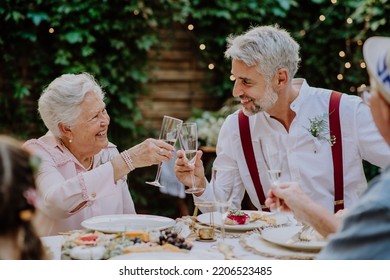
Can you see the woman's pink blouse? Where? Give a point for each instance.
(69, 193)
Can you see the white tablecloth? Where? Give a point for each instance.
(246, 246)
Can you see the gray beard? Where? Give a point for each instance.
(264, 104)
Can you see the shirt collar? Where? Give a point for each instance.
(304, 89)
(52, 141)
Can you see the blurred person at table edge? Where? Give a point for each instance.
(328, 166)
(365, 231)
(18, 238)
(82, 174)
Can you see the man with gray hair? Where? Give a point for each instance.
(325, 134)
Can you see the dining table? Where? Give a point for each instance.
(248, 242)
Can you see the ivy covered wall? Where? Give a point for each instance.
(111, 39)
(40, 40)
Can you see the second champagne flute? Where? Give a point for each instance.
(170, 129)
(223, 180)
(188, 139)
(272, 148)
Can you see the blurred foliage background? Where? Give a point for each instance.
(40, 40)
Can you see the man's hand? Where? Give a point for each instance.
(183, 170)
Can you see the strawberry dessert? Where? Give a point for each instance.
(236, 217)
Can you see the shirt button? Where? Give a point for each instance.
(93, 195)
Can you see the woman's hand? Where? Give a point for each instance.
(151, 151)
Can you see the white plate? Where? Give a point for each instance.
(127, 222)
(279, 217)
(190, 255)
(281, 235)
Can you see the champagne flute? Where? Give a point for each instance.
(188, 139)
(170, 129)
(271, 148)
(222, 180)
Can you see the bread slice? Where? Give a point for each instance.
(140, 234)
(158, 248)
(254, 216)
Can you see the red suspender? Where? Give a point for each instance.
(337, 153)
(246, 143)
(337, 150)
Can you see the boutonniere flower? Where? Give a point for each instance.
(319, 128)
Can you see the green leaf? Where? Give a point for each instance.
(21, 91)
(375, 24)
(276, 11)
(319, 1)
(285, 4)
(146, 42)
(62, 58)
(37, 18)
(74, 37)
(16, 16)
(87, 51)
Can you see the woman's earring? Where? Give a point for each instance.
(70, 140)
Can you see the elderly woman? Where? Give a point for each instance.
(18, 238)
(82, 174)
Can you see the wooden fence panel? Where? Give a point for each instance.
(177, 79)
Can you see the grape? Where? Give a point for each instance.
(173, 238)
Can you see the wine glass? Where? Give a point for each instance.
(170, 129)
(222, 180)
(272, 148)
(188, 139)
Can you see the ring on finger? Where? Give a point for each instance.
(161, 150)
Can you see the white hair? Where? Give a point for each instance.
(269, 48)
(60, 101)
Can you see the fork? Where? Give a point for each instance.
(298, 236)
(306, 233)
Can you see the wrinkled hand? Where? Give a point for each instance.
(183, 169)
(151, 151)
(275, 202)
(291, 198)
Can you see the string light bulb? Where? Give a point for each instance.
(202, 47)
(340, 77)
(211, 66)
(362, 86)
(190, 27)
(51, 30)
